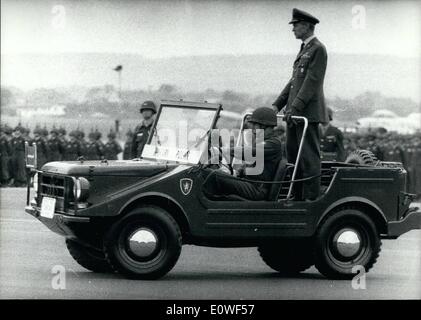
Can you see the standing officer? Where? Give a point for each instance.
(55, 146)
(303, 96)
(18, 156)
(141, 133)
(331, 141)
(112, 148)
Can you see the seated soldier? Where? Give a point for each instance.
(219, 183)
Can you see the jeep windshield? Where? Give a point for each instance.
(180, 131)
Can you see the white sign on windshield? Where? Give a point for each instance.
(171, 154)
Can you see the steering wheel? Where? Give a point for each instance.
(217, 157)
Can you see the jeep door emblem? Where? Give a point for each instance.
(186, 185)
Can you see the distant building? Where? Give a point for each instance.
(28, 112)
(391, 122)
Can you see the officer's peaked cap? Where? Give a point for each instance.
(265, 116)
(300, 15)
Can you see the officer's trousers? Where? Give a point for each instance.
(220, 183)
(310, 163)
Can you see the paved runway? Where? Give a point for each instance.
(29, 252)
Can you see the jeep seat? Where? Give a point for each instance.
(274, 189)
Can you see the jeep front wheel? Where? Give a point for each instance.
(346, 240)
(89, 258)
(144, 244)
(288, 257)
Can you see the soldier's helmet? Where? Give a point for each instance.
(148, 105)
(98, 134)
(265, 116)
(330, 113)
(62, 131)
(7, 129)
(73, 133)
(54, 131)
(38, 131)
(19, 128)
(81, 134)
(92, 135)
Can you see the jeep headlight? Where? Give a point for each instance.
(80, 189)
(35, 182)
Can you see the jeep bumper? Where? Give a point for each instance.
(410, 221)
(62, 224)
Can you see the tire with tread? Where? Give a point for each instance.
(91, 259)
(288, 257)
(169, 243)
(328, 261)
(363, 157)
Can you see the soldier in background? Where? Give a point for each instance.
(331, 140)
(62, 135)
(18, 167)
(127, 151)
(98, 136)
(39, 141)
(5, 152)
(55, 146)
(112, 148)
(92, 147)
(72, 147)
(80, 135)
(141, 133)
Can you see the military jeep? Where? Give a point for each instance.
(133, 216)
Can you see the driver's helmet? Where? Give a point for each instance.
(265, 116)
(148, 105)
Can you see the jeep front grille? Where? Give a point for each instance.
(55, 186)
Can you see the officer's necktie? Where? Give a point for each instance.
(301, 48)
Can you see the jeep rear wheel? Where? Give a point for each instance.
(288, 257)
(89, 258)
(363, 157)
(144, 244)
(345, 240)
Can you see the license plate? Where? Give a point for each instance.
(48, 206)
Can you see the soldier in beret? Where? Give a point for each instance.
(303, 96)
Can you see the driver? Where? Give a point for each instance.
(219, 183)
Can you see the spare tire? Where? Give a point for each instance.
(363, 157)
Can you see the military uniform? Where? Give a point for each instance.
(224, 184)
(72, 149)
(18, 166)
(5, 152)
(331, 143)
(303, 96)
(42, 151)
(127, 149)
(55, 147)
(112, 148)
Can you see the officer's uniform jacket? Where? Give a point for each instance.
(303, 95)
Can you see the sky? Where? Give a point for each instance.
(157, 29)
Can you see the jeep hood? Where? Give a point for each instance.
(139, 168)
